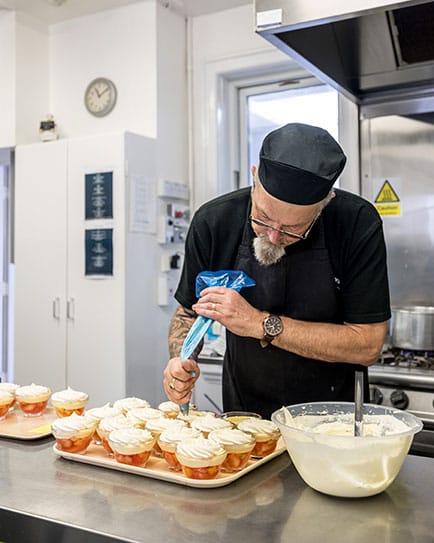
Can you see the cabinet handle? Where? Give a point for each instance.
(56, 308)
(70, 309)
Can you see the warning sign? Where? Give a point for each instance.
(387, 201)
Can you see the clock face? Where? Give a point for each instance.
(273, 325)
(100, 96)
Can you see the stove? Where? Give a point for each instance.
(405, 380)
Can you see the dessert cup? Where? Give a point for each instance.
(99, 413)
(266, 435)
(107, 425)
(200, 458)
(157, 426)
(74, 433)
(125, 404)
(6, 401)
(132, 446)
(235, 417)
(32, 399)
(168, 441)
(209, 423)
(169, 409)
(238, 445)
(69, 401)
(140, 416)
(11, 388)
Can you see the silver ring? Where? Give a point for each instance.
(172, 383)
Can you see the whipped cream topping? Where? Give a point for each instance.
(208, 423)
(116, 422)
(32, 392)
(131, 440)
(168, 407)
(9, 387)
(262, 429)
(6, 397)
(130, 403)
(69, 395)
(161, 424)
(200, 452)
(73, 425)
(103, 411)
(228, 437)
(143, 414)
(177, 434)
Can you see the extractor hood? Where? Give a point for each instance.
(367, 49)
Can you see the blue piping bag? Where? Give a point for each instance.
(234, 279)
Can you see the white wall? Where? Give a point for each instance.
(7, 86)
(119, 44)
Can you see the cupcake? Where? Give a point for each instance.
(125, 404)
(132, 446)
(69, 401)
(200, 458)
(6, 402)
(11, 388)
(74, 433)
(157, 426)
(265, 432)
(107, 425)
(168, 441)
(237, 444)
(141, 415)
(32, 399)
(208, 423)
(169, 409)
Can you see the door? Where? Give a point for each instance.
(40, 264)
(96, 322)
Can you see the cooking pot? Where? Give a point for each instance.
(412, 327)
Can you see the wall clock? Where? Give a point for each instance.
(100, 96)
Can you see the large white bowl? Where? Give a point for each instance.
(345, 465)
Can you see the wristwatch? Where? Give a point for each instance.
(273, 326)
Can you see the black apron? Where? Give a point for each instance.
(302, 286)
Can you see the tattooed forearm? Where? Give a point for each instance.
(180, 325)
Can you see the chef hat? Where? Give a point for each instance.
(299, 163)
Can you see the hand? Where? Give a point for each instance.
(178, 382)
(230, 309)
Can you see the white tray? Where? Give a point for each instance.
(18, 426)
(156, 468)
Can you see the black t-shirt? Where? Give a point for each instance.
(354, 238)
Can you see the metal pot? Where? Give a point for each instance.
(412, 327)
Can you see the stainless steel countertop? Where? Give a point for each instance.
(271, 504)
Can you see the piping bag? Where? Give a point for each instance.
(234, 279)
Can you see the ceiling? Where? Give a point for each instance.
(55, 11)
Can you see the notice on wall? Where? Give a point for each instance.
(143, 204)
(387, 201)
(99, 195)
(99, 252)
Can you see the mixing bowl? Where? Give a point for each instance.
(329, 458)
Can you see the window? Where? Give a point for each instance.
(266, 107)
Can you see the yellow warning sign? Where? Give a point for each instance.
(387, 201)
(386, 194)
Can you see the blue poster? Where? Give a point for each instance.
(99, 195)
(99, 251)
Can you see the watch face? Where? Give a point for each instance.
(100, 96)
(273, 325)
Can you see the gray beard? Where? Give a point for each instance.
(266, 253)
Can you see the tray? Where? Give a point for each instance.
(17, 426)
(156, 467)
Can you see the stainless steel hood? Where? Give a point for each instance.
(367, 49)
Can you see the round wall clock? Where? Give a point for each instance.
(100, 96)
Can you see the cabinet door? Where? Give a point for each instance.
(96, 327)
(40, 262)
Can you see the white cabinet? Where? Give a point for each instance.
(97, 334)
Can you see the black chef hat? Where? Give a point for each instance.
(299, 163)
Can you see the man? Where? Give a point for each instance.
(320, 306)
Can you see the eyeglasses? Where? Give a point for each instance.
(284, 232)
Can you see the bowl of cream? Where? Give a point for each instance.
(320, 440)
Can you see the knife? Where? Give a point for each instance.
(200, 327)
